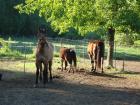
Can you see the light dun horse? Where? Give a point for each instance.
(68, 55)
(44, 55)
(96, 53)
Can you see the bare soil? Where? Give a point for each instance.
(80, 88)
(71, 89)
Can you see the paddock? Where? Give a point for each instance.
(118, 86)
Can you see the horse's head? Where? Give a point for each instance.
(42, 41)
(42, 29)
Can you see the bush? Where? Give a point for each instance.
(5, 49)
(137, 43)
(92, 35)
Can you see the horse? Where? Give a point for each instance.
(95, 51)
(68, 55)
(44, 55)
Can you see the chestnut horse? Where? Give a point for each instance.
(44, 55)
(96, 54)
(68, 55)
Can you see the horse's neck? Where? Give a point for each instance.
(41, 49)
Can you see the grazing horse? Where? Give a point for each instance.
(44, 55)
(68, 55)
(96, 54)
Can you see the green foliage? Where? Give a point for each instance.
(86, 15)
(137, 43)
(5, 49)
(64, 16)
(92, 35)
(11, 22)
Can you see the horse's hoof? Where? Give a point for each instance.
(47, 81)
(92, 70)
(68, 71)
(39, 81)
(51, 81)
(44, 86)
(35, 85)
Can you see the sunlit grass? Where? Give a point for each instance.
(127, 52)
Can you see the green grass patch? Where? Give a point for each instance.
(25, 47)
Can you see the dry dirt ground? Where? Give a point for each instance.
(80, 88)
(71, 89)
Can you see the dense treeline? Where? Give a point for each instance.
(87, 16)
(72, 19)
(13, 23)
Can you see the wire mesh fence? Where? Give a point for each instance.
(125, 57)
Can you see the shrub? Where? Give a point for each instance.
(5, 49)
(137, 43)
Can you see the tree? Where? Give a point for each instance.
(87, 15)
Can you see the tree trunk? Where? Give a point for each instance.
(111, 33)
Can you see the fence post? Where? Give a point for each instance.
(61, 42)
(123, 62)
(115, 53)
(83, 52)
(24, 58)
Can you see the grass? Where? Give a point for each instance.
(21, 47)
(128, 53)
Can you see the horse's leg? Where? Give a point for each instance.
(92, 62)
(95, 65)
(70, 68)
(62, 64)
(70, 62)
(75, 63)
(45, 73)
(37, 73)
(50, 70)
(102, 62)
(73, 67)
(66, 64)
(40, 73)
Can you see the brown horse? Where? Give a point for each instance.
(68, 55)
(44, 55)
(96, 54)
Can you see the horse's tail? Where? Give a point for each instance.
(75, 60)
(100, 53)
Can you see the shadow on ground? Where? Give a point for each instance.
(127, 72)
(16, 88)
(104, 75)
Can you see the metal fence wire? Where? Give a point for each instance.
(125, 57)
